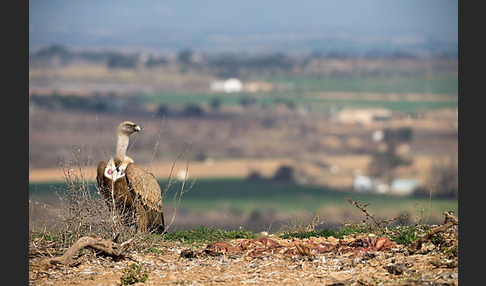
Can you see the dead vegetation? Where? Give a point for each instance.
(381, 224)
(366, 253)
(354, 259)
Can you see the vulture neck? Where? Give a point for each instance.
(121, 149)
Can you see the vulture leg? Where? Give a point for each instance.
(157, 221)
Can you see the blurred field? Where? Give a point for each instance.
(222, 196)
(400, 84)
(317, 101)
(233, 203)
(233, 168)
(242, 168)
(295, 124)
(397, 84)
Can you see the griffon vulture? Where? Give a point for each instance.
(128, 188)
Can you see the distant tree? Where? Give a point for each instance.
(52, 51)
(193, 110)
(444, 175)
(290, 104)
(163, 109)
(284, 174)
(384, 163)
(247, 101)
(184, 57)
(278, 60)
(398, 135)
(117, 60)
(255, 176)
(153, 62)
(70, 102)
(52, 55)
(215, 103)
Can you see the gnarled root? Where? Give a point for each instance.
(449, 221)
(106, 247)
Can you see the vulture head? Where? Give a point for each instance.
(124, 130)
(127, 128)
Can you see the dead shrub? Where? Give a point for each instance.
(83, 210)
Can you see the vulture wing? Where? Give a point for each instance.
(101, 180)
(147, 192)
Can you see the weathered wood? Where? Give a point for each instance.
(107, 247)
(449, 221)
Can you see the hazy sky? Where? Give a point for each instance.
(100, 22)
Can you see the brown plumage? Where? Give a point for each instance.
(133, 191)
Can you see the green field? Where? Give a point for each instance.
(305, 89)
(268, 100)
(243, 195)
(447, 85)
(240, 195)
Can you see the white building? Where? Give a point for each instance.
(403, 186)
(362, 183)
(231, 85)
(363, 116)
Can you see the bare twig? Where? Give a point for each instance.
(99, 139)
(380, 224)
(362, 208)
(141, 132)
(85, 212)
(156, 146)
(178, 195)
(431, 190)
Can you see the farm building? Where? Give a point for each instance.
(231, 85)
(403, 186)
(362, 183)
(363, 116)
(400, 186)
(258, 86)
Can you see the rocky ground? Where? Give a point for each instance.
(359, 259)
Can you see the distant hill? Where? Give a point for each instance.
(375, 26)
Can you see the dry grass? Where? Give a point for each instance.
(199, 169)
(84, 213)
(80, 212)
(85, 75)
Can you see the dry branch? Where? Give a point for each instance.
(380, 224)
(106, 247)
(450, 220)
(178, 195)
